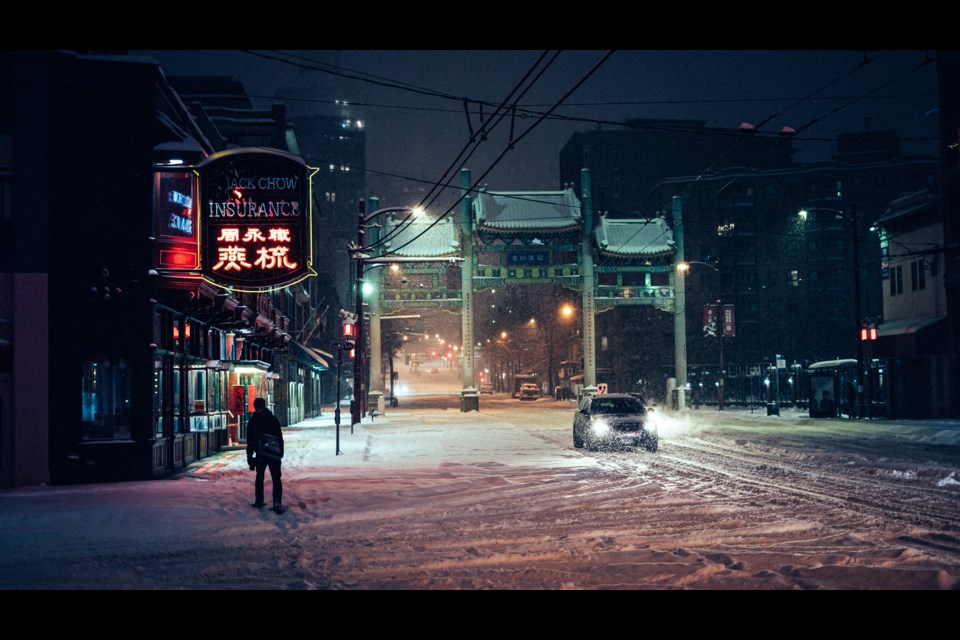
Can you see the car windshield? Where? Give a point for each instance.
(616, 405)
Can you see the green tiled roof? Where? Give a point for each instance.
(527, 210)
(634, 237)
(424, 241)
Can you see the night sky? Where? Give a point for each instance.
(412, 137)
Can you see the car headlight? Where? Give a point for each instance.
(599, 427)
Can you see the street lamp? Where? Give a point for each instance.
(852, 219)
(357, 253)
(683, 268)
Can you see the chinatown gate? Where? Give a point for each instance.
(542, 237)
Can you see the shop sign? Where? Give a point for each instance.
(255, 219)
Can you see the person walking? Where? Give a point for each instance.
(264, 422)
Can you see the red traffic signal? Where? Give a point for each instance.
(349, 336)
(868, 333)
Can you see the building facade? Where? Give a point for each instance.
(909, 356)
(120, 361)
(626, 164)
(790, 279)
(791, 276)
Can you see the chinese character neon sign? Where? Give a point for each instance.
(255, 219)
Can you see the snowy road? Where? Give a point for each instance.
(436, 499)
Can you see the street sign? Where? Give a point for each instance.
(729, 322)
(781, 362)
(601, 388)
(709, 321)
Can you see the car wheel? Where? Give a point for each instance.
(592, 444)
(577, 439)
(652, 444)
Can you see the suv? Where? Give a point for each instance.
(529, 391)
(613, 420)
(486, 387)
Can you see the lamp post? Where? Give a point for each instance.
(683, 267)
(852, 219)
(357, 253)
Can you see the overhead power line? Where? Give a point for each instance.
(517, 139)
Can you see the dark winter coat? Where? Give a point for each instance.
(262, 421)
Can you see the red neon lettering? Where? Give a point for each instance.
(280, 235)
(229, 234)
(233, 257)
(253, 235)
(274, 258)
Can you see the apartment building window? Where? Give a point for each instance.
(896, 281)
(918, 279)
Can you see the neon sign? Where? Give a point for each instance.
(175, 207)
(255, 219)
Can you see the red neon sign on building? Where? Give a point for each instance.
(255, 219)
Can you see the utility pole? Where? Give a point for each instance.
(680, 307)
(856, 308)
(588, 283)
(356, 408)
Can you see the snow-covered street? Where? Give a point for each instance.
(427, 497)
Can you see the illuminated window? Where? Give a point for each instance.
(173, 204)
(331, 196)
(105, 405)
(197, 398)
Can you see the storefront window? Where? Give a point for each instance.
(106, 400)
(178, 426)
(158, 397)
(197, 397)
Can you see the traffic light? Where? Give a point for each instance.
(349, 336)
(868, 333)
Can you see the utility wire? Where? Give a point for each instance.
(380, 80)
(511, 145)
(474, 141)
(811, 123)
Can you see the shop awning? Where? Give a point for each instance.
(904, 327)
(314, 356)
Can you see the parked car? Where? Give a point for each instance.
(614, 420)
(529, 391)
(486, 387)
(434, 370)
